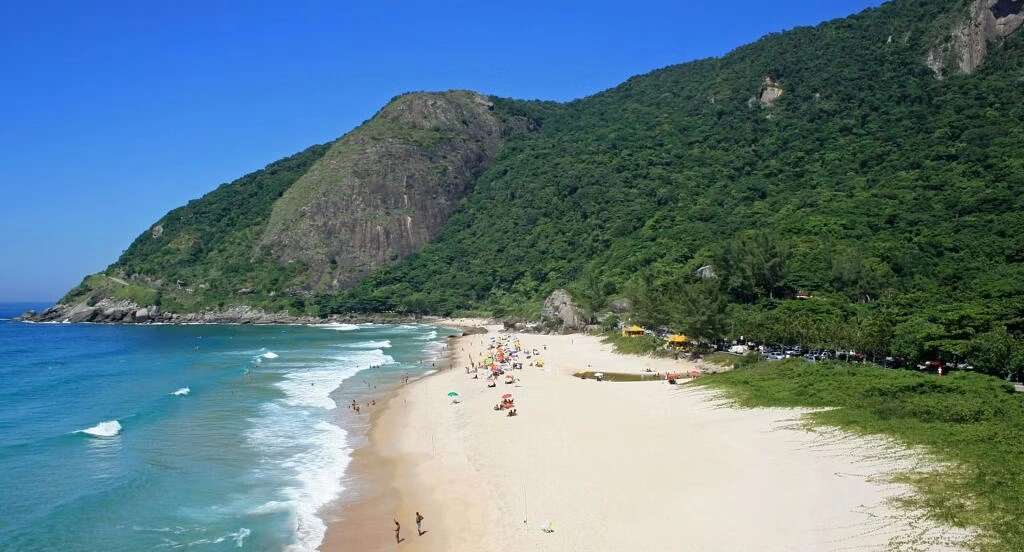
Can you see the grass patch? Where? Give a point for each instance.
(613, 376)
(99, 286)
(722, 359)
(973, 422)
(636, 345)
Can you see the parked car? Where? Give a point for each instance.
(849, 356)
(816, 355)
(738, 350)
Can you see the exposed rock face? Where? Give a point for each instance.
(770, 92)
(559, 309)
(385, 189)
(620, 306)
(966, 47)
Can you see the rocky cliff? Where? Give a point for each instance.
(385, 190)
(966, 47)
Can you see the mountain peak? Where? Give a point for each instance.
(385, 189)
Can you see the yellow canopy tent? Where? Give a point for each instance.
(677, 340)
(633, 330)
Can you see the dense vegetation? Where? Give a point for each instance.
(972, 423)
(891, 196)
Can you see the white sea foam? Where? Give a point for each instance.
(182, 392)
(312, 386)
(296, 440)
(324, 454)
(244, 352)
(428, 336)
(340, 327)
(382, 344)
(103, 429)
(238, 536)
(319, 483)
(270, 354)
(272, 507)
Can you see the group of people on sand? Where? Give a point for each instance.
(398, 528)
(507, 404)
(502, 357)
(354, 407)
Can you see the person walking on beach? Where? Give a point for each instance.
(398, 529)
(419, 521)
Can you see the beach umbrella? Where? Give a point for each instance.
(507, 396)
(453, 394)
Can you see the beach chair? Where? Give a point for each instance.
(547, 526)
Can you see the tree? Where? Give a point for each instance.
(650, 305)
(700, 310)
(590, 294)
(754, 264)
(911, 338)
(997, 352)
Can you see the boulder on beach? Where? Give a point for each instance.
(559, 311)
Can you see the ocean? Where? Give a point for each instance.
(198, 437)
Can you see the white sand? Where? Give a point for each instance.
(627, 466)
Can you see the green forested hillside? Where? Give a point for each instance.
(317, 221)
(839, 161)
(205, 250)
(891, 195)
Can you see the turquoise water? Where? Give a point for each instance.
(185, 437)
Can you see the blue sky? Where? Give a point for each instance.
(114, 112)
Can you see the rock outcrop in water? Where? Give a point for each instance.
(111, 311)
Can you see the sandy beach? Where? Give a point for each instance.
(614, 466)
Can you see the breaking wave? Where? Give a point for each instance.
(103, 429)
(340, 327)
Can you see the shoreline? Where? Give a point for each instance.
(109, 311)
(371, 496)
(618, 466)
